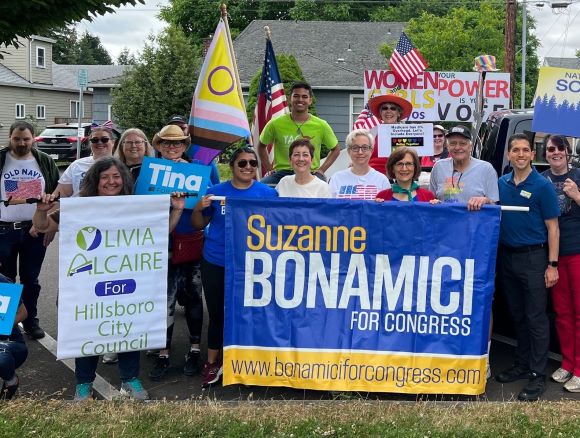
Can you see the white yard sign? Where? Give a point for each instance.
(112, 274)
(417, 136)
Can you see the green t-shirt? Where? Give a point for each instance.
(282, 131)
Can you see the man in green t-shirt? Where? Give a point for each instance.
(283, 130)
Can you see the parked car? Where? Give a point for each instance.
(60, 141)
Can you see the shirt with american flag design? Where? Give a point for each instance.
(21, 179)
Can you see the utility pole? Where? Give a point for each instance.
(510, 45)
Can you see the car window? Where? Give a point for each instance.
(59, 132)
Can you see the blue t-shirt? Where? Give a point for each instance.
(518, 228)
(569, 219)
(214, 248)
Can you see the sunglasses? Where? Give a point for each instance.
(244, 163)
(95, 140)
(172, 143)
(438, 136)
(560, 147)
(390, 107)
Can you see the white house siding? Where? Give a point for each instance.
(57, 105)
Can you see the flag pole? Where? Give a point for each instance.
(224, 13)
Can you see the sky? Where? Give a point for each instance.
(558, 30)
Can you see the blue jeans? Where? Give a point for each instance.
(86, 367)
(12, 355)
(22, 255)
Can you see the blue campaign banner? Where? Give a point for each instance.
(9, 300)
(159, 176)
(342, 295)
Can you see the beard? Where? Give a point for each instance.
(21, 151)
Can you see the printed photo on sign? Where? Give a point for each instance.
(417, 136)
(111, 298)
(159, 176)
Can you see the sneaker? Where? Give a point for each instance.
(511, 375)
(192, 363)
(160, 369)
(84, 391)
(573, 385)
(487, 371)
(34, 331)
(8, 391)
(561, 375)
(110, 358)
(134, 390)
(211, 373)
(534, 389)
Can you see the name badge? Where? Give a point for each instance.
(525, 194)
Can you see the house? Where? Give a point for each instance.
(34, 88)
(332, 55)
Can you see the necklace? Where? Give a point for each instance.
(299, 126)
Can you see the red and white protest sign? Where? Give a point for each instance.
(441, 96)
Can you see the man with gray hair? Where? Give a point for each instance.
(360, 181)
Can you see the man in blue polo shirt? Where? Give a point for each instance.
(527, 264)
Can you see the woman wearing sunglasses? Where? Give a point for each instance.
(243, 164)
(404, 168)
(102, 141)
(389, 109)
(302, 184)
(566, 292)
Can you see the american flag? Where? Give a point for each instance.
(23, 189)
(406, 61)
(359, 191)
(366, 119)
(271, 97)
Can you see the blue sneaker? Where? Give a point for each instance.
(134, 389)
(84, 391)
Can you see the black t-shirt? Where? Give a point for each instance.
(569, 219)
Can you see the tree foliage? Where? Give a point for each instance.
(160, 84)
(451, 41)
(126, 57)
(72, 49)
(25, 18)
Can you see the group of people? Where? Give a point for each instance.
(537, 252)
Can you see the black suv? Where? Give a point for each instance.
(60, 141)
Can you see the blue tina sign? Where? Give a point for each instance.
(159, 176)
(353, 296)
(9, 301)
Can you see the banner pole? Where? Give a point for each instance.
(224, 13)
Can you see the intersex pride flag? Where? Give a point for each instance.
(366, 298)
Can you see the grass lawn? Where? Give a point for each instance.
(33, 418)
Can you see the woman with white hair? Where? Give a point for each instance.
(360, 181)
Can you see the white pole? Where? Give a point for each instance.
(514, 208)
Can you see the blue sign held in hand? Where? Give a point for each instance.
(9, 299)
(159, 177)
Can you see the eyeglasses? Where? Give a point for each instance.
(171, 143)
(560, 147)
(363, 148)
(438, 136)
(137, 143)
(390, 108)
(453, 144)
(244, 163)
(95, 140)
(402, 164)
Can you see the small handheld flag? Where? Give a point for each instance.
(406, 61)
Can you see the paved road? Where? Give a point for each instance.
(43, 376)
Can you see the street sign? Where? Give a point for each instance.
(83, 78)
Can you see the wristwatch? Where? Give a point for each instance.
(553, 264)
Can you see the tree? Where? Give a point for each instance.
(126, 57)
(450, 42)
(91, 51)
(65, 50)
(160, 84)
(25, 18)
